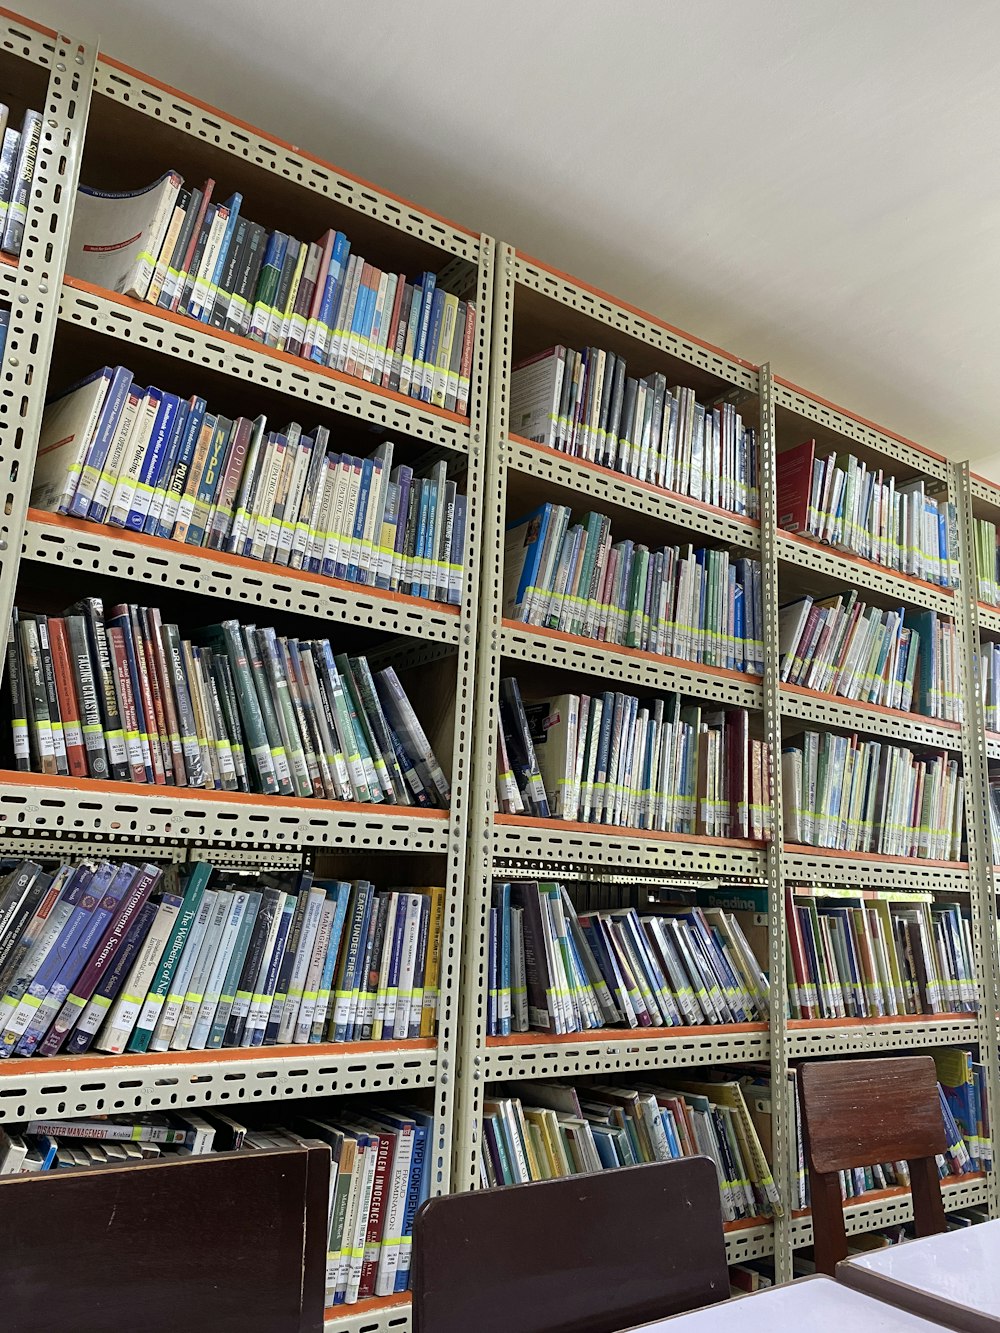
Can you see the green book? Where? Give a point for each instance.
(201, 872)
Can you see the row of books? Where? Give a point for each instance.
(987, 555)
(587, 405)
(379, 1173)
(849, 957)
(122, 696)
(540, 1131)
(895, 659)
(553, 970)
(994, 808)
(696, 604)
(149, 461)
(182, 250)
(18, 153)
(614, 758)
(127, 957)
(908, 526)
(858, 795)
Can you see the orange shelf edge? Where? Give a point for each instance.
(571, 826)
(919, 585)
(196, 326)
(618, 1035)
(142, 540)
(371, 1306)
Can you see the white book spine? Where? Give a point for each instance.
(171, 1010)
(201, 971)
(301, 967)
(213, 987)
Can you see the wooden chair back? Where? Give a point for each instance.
(586, 1254)
(856, 1113)
(222, 1243)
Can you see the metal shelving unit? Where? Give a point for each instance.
(568, 312)
(42, 816)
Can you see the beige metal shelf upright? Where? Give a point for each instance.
(93, 109)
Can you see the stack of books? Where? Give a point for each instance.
(150, 462)
(987, 555)
(873, 955)
(906, 526)
(18, 152)
(896, 659)
(860, 795)
(183, 251)
(538, 1131)
(554, 970)
(379, 1172)
(613, 758)
(587, 405)
(122, 696)
(126, 957)
(695, 604)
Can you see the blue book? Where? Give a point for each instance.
(340, 892)
(143, 494)
(266, 992)
(458, 549)
(45, 1147)
(504, 957)
(603, 756)
(392, 1027)
(360, 515)
(175, 482)
(165, 467)
(406, 1124)
(4, 326)
(424, 523)
(107, 888)
(426, 284)
(97, 452)
(331, 292)
(431, 340)
(535, 525)
(233, 203)
(492, 979)
(208, 484)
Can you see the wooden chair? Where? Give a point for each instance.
(222, 1243)
(586, 1254)
(856, 1112)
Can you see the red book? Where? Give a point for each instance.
(377, 1212)
(797, 950)
(69, 705)
(144, 644)
(126, 702)
(795, 472)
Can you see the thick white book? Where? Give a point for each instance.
(171, 1010)
(201, 971)
(220, 966)
(115, 239)
(67, 430)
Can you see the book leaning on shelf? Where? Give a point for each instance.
(877, 955)
(896, 659)
(118, 957)
(911, 527)
(121, 695)
(587, 405)
(147, 461)
(859, 795)
(184, 251)
(681, 601)
(552, 969)
(987, 556)
(614, 758)
(539, 1131)
(379, 1172)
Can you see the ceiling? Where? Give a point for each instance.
(815, 184)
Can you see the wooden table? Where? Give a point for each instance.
(812, 1305)
(953, 1278)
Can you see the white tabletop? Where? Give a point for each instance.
(961, 1267)
(816, 1304)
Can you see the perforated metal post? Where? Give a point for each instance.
(479, 868)
(982, 888)
(781, 1102)
(35, 294)
(463, 814)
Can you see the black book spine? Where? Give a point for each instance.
(251, 966)
(20, 918)
(18, 699)
(410, 537)
(20, 881)
(241, 303)
(49, 677)
(190, 276)
(174, 274)
(88, 694)
(273, 335)
(114, 735)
